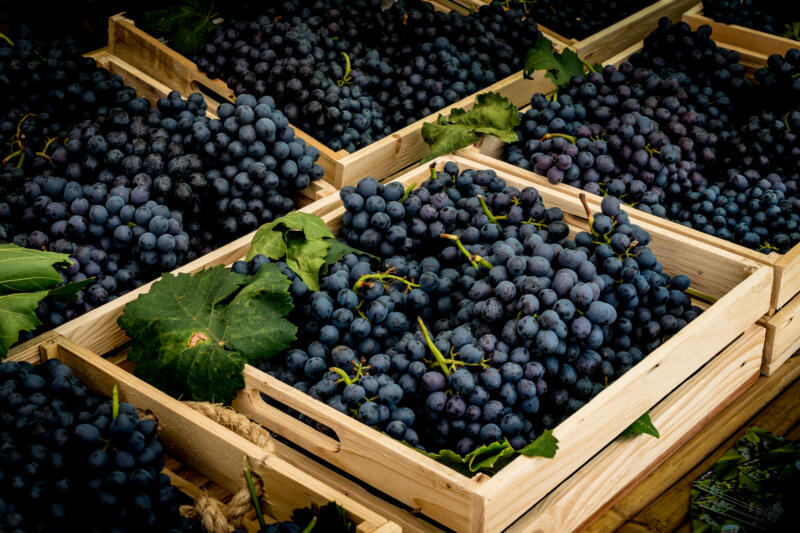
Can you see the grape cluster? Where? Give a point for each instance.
(484, 320)
(351, 73)
(128, 189)
(678, 132)
(769, 16)
(68, 464)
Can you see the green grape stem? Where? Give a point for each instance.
(381, 277)
(310, 525)
(700, 295)
(432, 168)
(114, 402)
(345, 378)
(434, 350)
(474, 259)
(253, 496)
(409, 190)
(486, 211)
(570, 138)
(6, 39)
(346, 80)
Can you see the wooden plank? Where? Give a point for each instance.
(207, 447)
(606, 43)
(756, 41)
(627, 461)
(708, 439)
(670, 509)
(783, 335)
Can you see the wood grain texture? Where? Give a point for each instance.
(700, 446)
(783, 336)
(627, 461)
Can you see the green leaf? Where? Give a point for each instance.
(560, 67)
(17, 313)
(305, 258)
(185, 24)
(68, 291)
(255, 316)
(211, 373)
(270, 239)
(490, 457)
(338, 249)
(642, 425)
(446, 138)
(25, 269)
(545, 445)
(792, 31)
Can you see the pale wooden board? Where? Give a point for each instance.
(783, 335)
(759, 42)
(213, 451)
(699, 447)
(627, 461)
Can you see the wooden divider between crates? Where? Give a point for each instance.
(758, 43)
(207, 447)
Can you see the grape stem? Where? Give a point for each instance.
(363, 280)
(345, 378)
(409, 189)
(434, 350)
(6, 39)
(310, 525)
(700, 295)
(346, 79)
(114, 402)
(253, 496)
(432, 168)
(493, 219)
(474, 259)
(570, 138)
(589, 215)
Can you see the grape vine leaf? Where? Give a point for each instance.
(185, 24)
(17, 313)
(26, 269)
(193, 334)
(561, 66)
(270, 239)
(68, 291)
(337, 250)
(305, 258)
(492, 114)
(643, 424)
(545, 445)
(792, 31)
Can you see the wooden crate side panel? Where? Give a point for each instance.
(588, 430)
(783, 336)
(625, 462)
(787, 275)
(759, 42)
(207, 447)
(602, 45)
(416, 480)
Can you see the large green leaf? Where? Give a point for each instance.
(643, 424)
(184, 24)
(270, 239)
(444, 138)
(211, 373)
(545, 445)
(68, 291)
(561, 67)
(25, 269)
(17, 313)
(256, 316)
(338, 249)
(305, 258)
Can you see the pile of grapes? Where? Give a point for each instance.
(679, 132)
(67, 464)
(483, 319)
(770, 16)
(126, 189)
(351, 73)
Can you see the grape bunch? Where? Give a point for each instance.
(351, 73)
(769, 16)
(483, 319)
(129, 189)
(67, 463)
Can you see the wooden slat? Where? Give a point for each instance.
(783, 335)
(627, 461)
(700, 446)
(759, 42)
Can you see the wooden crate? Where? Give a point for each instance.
(609, 41)
(490, 504)
(754, 45)
(380, 159)
(151, 89)
(212, 452)
(626, 462)
(781, 341)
